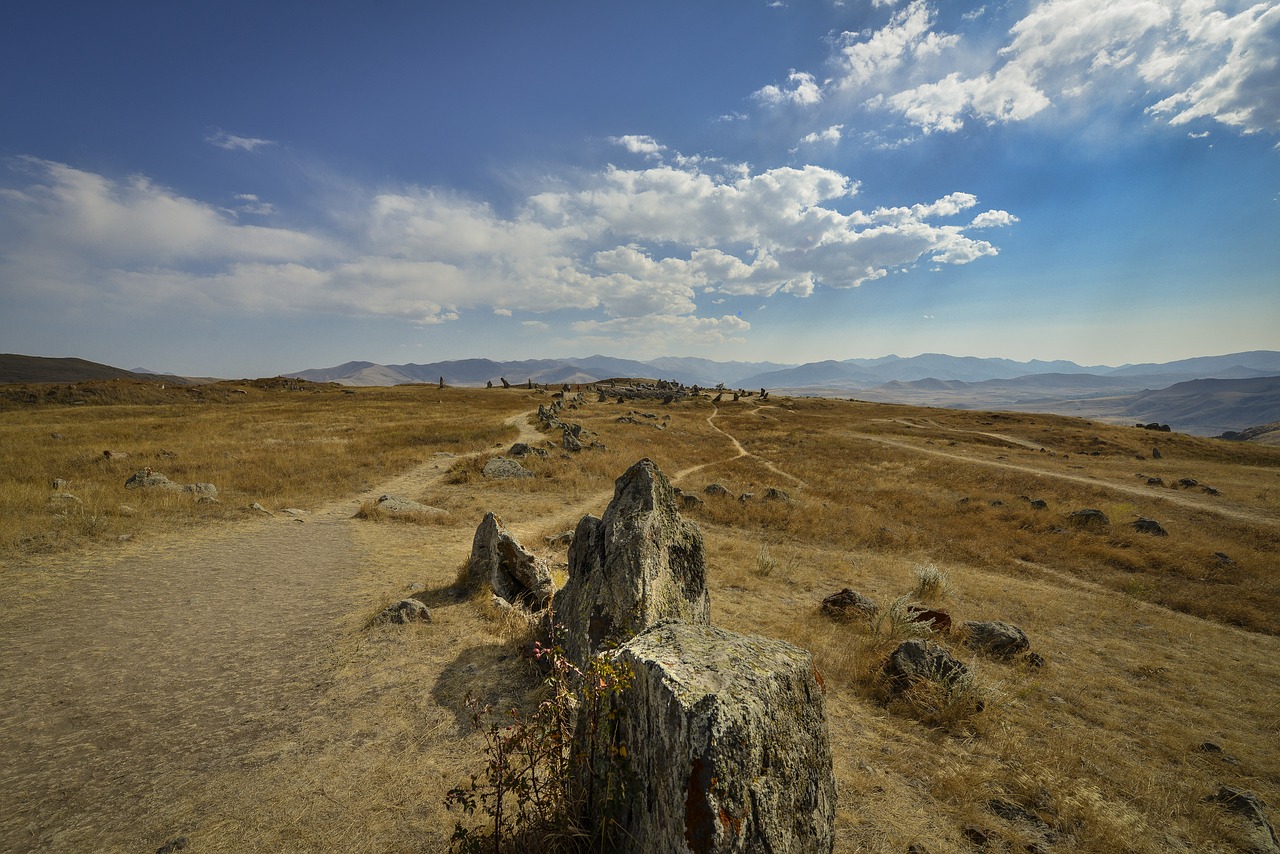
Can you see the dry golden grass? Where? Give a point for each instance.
(1153, 646)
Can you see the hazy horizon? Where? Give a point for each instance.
(245, 189)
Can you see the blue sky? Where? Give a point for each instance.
(247, 188)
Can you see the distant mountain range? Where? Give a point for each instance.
(1207, 395)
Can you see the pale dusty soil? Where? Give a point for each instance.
(130, 678)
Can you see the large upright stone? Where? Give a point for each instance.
(726, 746)
(639, 564)
(515, 574)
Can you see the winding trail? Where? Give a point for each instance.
(1171, 497)
(741, 452)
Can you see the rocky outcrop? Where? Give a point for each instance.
(146, 478)
(1260, 835)
(636, 565)
(725, 736)
(514, 574)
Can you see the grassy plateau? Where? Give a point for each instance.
(1161, 674)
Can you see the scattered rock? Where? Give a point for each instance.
(1039, 504)
(638, 564)
(995, 638)
(715, 489)
(512, 572)
(922, 661)
(204, 490)
(114, 455)
(173, 845)
(149, 478)
(60, 484)
(1155, 481)
(1088, 519)
(940, 620)
(258, 508)
(405, 611)
(1149, 526)
(1188, 482)
(501, 468)
(773, 494)
(690, 502)
(1260, 834)
(63, 498)
(727, 736)
(1033, 659)
(1223, 559)
(848, 605)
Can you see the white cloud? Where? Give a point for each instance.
(639, 144)
(1182, 60)
(231, 142)
(636, 250)
(830, 136)
(801, 89)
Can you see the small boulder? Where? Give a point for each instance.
(715, 489)
(1149, 526)
(922, 661)
(1088, 519)
(519, 449)
(501, 468)
(1039, 504)
(774, 494)
(849, 604)
(1260, 835)
(405, 611)
(60, 484)
(149, 478)
(201, 490)
(938, 619)
(690, 502)
(995, 638)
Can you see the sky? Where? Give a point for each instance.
(243, 189)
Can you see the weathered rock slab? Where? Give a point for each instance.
(726, 739)
(514, 573)
(638, 564)
(849, 604)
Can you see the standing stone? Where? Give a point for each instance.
(726, 742)
(515, 574)
(639, 564)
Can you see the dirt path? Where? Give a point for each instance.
(1171, 497)
(169, 662)
(741, 452)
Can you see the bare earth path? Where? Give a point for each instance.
(165, 663)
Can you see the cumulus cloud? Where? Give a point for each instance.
(635, 252)
(639, 144)
(830, 136)
(801, 88)
(1181, 60)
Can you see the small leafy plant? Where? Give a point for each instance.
(551, 775)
